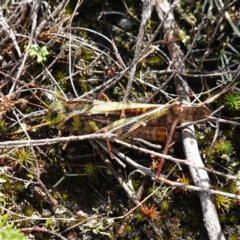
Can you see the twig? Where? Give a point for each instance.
(45, 22)
(146, 13)
(10, 32)
(176, 160)
(168, 142)
(47, 141)
(225, 88)
(43, 230)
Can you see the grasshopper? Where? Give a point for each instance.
(146, 121)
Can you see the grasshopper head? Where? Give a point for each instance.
(55, 113)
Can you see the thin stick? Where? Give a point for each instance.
(169, 140)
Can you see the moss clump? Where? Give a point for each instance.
(186, 181)
(232, 101)
(90, 169)
(19, 187)
(23, 156)
(223, 149)
(165, 205)
(222, 203)
(28, 211)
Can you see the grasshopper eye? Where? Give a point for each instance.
(54, 114)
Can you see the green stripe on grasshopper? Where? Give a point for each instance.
(105, 107)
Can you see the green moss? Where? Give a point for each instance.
(83, 34)
(86, 54)
(186, 181)
(69, 9)
(2, 125)
(222, 148)
(10, 232)
(90, 169)
(222, 203)
(18, 187)
(233, 219)
(49, 223)
(60, 75)
(135, 183)
(83, 84)
(165, 205)
(234, 237)
(7, 186)
(154, 60)
(127, 45)
(65, 197)
(24, 156)
(139, 215)
(30, 176)
(28, 211)
(159, 222)
(128, 228)
(222, 218)
(232, 101)
(137, 238)
(231, 186)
